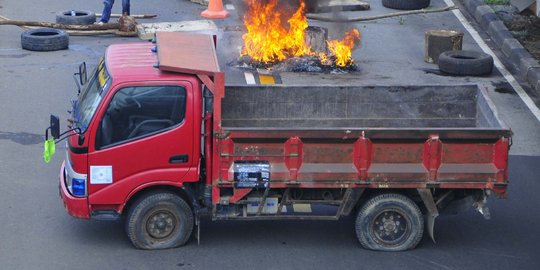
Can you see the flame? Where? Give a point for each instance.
(268, 39)
(324, 59)
(342, 49)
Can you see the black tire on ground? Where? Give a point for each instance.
(44, 39)
(389, 222)
(159, 221)
(406, 4)
(465, 63)
(82, 17)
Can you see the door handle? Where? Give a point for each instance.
(178, 159)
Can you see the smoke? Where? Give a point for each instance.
(335, 30)
(287, 6)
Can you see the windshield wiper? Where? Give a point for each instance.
(75, 114)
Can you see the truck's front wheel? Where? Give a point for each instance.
(159, 221)
(389, 222)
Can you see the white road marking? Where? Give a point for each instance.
(229, 7)
(250, 79)
(506, 74)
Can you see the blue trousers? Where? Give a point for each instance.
(108, 4)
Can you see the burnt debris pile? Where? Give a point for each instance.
(309, 64)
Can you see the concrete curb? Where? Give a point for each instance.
(521, 61)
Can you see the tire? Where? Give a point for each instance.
(82, 17)
(404, 228)
(155, 210)
(44, 39)
(406, 4)
(465, 63)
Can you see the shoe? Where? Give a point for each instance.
(99, 23)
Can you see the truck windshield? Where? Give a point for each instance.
(91, 96)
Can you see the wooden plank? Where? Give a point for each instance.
(148, 30)
(136, 16)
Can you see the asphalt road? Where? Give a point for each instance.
(37, 233)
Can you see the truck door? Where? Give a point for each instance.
(144, 134)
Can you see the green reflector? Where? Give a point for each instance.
(48, 150)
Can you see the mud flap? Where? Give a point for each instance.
(432, 213)
(198, 228)
(480, 204)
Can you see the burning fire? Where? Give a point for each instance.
(342, 49)
(269, 39)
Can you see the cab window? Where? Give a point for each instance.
(141, 111)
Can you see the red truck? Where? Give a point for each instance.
(158, 139)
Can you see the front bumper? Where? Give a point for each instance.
(77, 207)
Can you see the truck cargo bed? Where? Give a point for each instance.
(323, 107)
(390, 137)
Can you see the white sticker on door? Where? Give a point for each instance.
(100, 174)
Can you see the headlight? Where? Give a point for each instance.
(78, 187)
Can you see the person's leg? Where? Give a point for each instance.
(125, 7)
(107, 7)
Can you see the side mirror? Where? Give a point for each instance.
(82, 77)
(55, 127)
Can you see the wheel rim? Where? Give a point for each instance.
(390, 227)
(161, 224)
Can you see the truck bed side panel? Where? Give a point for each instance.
(380, 136)
(331, 162)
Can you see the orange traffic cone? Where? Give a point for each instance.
(215, 10)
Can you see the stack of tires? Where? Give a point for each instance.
(50, 39)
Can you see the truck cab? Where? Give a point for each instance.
(138, 127)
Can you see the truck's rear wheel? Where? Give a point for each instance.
(159, 221)
(389, 222)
